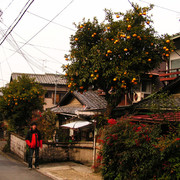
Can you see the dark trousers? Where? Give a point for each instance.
(31, 152)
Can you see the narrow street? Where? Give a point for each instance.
(14, 170)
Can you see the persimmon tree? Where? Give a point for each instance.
(20, 98)
(114, 54)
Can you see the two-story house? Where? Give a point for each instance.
(172, 69)
(160, 77)
(53, 84)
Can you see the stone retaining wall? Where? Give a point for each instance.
(18, 145)
(51, 152)
(82, 152)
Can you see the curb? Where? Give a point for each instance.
(13, 157)
(49, 175)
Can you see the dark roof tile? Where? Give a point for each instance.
(65, 109)
(90, 99)
(42, 78)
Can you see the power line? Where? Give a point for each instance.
(33, 57)
(161, 7)
(16, 22)
(47, 47)
(29, 61)
(131, 4)
(50, 20)
(55, 60)
(26, 56)
(6, 59)
(43, 27)
(8, 5)
(16, 19)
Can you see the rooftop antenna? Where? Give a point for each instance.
(44, 66)
(55, 90)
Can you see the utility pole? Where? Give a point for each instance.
(55, 90)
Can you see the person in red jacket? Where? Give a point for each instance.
(34, 141)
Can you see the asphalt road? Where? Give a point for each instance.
(13, 170)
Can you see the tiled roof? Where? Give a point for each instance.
(168, 116)
(65, 109)
(175, 36)
(90, 99)
(42, 78)
(171, 88)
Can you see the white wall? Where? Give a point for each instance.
(18, 145)
(174, 56)
(49, 103)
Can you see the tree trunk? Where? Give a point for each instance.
(108, 111)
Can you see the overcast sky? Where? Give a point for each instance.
(45, 52)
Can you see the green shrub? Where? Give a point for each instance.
(6, 148)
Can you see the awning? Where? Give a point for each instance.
(76, 124)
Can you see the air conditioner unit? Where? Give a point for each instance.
(138, 96)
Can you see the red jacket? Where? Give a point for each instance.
(33, 139)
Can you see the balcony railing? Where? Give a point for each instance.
(169, 75)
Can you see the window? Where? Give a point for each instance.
(61, 95)
(175, 64)
(48, 94)
(146, 86)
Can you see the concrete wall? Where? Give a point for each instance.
(49, 103)
(81, 152)
(46, 154)
(18, 145)
(51, 152)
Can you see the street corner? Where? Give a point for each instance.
(68, 171)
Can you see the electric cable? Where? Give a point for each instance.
(6, 59)
(161, 7)
(50, 20)
(16, 23)
(44, 27)
(8, 6)
(37, 58)
(16, 19)
(44, 47)
(26, 56)
(29, 62)
(55, 60)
